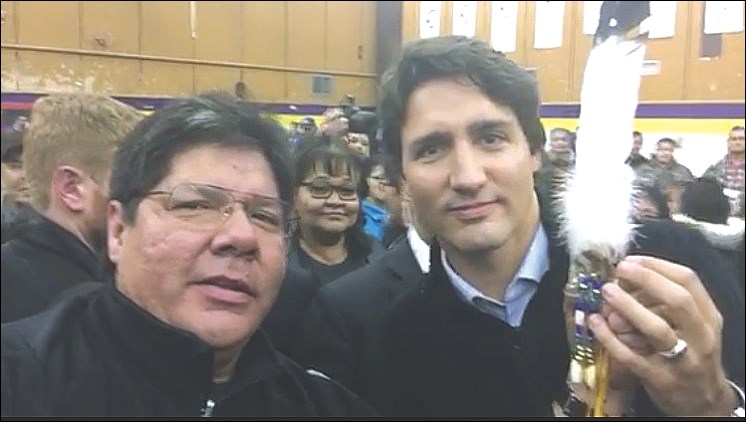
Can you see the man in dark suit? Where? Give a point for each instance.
(339, 333)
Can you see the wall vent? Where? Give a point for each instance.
(321, 84)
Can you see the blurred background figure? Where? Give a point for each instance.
(651, 203)
(665, 172)
(376, 190)
(729, 171)
(302, 130)
(706, 208)
(636, 159)
(15, 196)
(15, 188)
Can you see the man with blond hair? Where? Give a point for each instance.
(68, 151)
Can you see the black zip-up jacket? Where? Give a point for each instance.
(96, 353)
(39, 264)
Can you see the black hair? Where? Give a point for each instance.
(637, 133)
(146, 154)
(368, 165)
(499, 78)
(667, 141)
(704, 200)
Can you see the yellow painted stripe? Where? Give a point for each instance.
(705, 126)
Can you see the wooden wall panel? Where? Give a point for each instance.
(166, 78)
(720, 78)
(364, 90)
(306, 43)
(211, 78)
(265, 85)
(265, 28)
(552, 64)
(410, 19)
(219, 31)
(50, 24)
(367, 62)
(299, 89)
(669, 84)
(343, 35)
(110, 76)
(110, 26)
(8, 70)
(49, 72)
(165, 29)
(482, 30)
(9, 22)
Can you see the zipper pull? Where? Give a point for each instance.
(207, 410)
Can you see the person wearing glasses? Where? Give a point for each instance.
(329, 240)
(197, 222)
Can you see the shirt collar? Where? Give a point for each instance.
(533, 267)
(420, 249)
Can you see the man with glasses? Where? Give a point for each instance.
(197, 235)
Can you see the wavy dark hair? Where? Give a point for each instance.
(499, 78)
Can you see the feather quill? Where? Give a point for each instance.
(597, 203)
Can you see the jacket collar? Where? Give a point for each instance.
(173, 355)
(46, 234)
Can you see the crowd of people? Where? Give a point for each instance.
(202, 261)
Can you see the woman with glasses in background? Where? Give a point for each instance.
(329, 240)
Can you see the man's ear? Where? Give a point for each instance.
(115, 230)
(67, 186)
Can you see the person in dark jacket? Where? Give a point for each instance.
(484, 333)
(338, 334)
(329, 240)
(15, 199)
(67, 154)
(197, 235)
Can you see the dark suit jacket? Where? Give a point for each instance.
(339, 333)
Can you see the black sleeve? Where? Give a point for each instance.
(326, 341)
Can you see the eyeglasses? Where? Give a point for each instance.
(323, 190)
(210, 206)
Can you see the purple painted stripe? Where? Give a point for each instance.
(660, 111)
(646, 110)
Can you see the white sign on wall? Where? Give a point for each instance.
(429, 19)
(464, 18)
(504, 25)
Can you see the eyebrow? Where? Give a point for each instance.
(442, 136)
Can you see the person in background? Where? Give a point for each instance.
(67, 155)
(663, 169)
(329, 240)
(635, 159)
(706, 208)
(729, 171)
(376, 193)
(201, 196)
(15, 209)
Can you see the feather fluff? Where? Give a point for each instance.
(597, 203)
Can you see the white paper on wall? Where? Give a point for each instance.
(549, 22)
(464, 18)
(504, 25)
(429, 19)
(662, 20)
(723, 17)
(591, 14)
